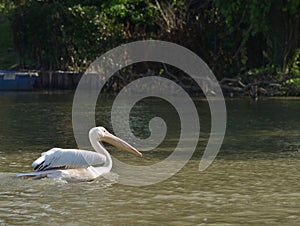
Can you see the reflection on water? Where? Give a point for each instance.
(254, 179)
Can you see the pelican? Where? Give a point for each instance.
(79, 165)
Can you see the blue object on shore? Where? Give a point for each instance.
(15, 80)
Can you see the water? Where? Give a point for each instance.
(254, 180)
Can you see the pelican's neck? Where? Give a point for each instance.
(98, 147)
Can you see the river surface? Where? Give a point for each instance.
(254, 180)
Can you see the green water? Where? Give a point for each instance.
(253, 181)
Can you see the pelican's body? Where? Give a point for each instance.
(79, 165)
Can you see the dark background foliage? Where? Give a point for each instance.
(233, 37)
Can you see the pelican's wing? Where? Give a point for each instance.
(67, 158)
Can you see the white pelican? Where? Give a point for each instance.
(79, 165)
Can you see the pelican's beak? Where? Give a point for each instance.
(119, 143)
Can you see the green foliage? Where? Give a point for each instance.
(71, 34)
(295, 82)
(243, 20)
(6, 7)
(262, 33)
(245, 13)
(8, 57)
(291, 6)
(232, 36)
(263, 70)
(293, 69)
(294, 65)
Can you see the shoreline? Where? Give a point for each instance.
(232, 88)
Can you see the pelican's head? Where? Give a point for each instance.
(105, 136)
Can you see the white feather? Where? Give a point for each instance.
(68, 158)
